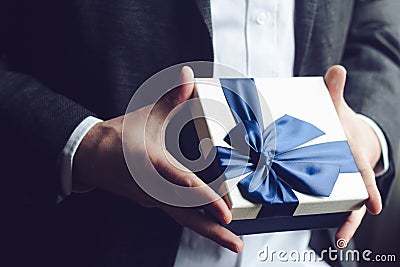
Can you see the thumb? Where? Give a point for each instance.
(335, 79)
(177, 95)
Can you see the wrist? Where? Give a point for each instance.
(98, 153)
(83, 165)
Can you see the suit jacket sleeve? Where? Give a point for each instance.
(37, 121)
(372, 58)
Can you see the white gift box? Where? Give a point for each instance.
(305, 98)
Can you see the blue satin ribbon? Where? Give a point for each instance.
(273, 164)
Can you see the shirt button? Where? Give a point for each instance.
(261, 17)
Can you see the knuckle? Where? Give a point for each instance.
(214, 231)
(170, 98)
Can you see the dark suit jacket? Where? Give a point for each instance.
(64, 60)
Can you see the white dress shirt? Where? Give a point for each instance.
(255, 37)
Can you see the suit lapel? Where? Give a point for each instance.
(205, 11)
(304, 24)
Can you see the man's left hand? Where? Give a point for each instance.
(364, 145)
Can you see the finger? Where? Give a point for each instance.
(349, 227)
(374, 202)
(205, 226)
(177, 95)
(175, 172)
(227, 201)
(335, 79)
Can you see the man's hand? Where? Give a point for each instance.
(99, 161)
(364, 145)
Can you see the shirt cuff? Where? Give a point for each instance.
(67, 155)
(384, 146)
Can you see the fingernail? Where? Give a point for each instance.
(227, 217)
(235, 248)
(238, 246)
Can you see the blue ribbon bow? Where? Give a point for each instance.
(273, 164)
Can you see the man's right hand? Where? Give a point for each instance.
(99, 161)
